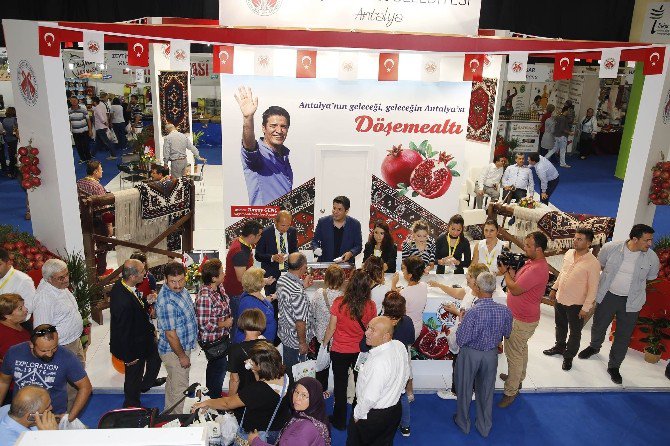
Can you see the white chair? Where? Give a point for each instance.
(197, 176)
(467, 207)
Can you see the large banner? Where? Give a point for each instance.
(422, 16)
(395, 149)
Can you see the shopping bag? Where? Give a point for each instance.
(228, 427)
(66, 424)
(112, 136)
(322, 359)
(304, 369)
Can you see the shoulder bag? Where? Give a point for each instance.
(364, 347)
(241, 437)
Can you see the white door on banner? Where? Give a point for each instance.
(344, 170)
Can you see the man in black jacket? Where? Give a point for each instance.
(132, 337)
(276, 243)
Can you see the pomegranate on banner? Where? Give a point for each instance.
(30, 173)
(419, 170)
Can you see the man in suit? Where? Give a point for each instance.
(276, 243)
(338, 236)
(132, 337)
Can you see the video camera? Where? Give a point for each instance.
(512, 260)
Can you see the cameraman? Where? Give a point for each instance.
(525, 289)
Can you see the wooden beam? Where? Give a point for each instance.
(143, 248)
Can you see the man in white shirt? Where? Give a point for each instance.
(174, 151)
(101, 118)
(381, 381)
(15, 281)
(547, 174)
(489, 180)
(57, 306)
(518, 180)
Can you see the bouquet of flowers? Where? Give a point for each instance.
(528, 203)
(193, 275)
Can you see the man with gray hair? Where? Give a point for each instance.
(30, 410)
(175, 145)
(293, 310)
(478, 336)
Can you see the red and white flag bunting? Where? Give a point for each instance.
(49, 43)
(653, 64)
(305, 64)
(609, 63)
(517, 67)
(473, 67)
(563, 65)
(94, 46)
(263, 62)
(431, 67)
(348, 66)
(138, 52)
(223, 58)
(180, 55)
(388, 67)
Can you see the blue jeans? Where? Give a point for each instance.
(102, 139)
(404, 418)
(214, 375)
(120, 132)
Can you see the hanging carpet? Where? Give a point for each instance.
(174, 100)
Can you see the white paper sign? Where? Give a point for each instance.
(656, 25)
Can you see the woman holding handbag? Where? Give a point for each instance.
(266, 407)
(350, 315)
(212, 310)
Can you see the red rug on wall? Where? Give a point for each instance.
(482, 103)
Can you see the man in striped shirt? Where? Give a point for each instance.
(294, 310)
(80, 126)
(135, 113)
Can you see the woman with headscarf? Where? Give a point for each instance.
(309, 424)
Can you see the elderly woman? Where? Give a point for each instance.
(12, 313)
(253, 297)
(309, 425)
(265, 401)
(212, 311)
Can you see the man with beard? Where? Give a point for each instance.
(42, 362)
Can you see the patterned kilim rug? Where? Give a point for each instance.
(174, 102)
(300, 203)
(560, 227)
(482, 103)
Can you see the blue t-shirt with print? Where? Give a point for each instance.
(28, 370)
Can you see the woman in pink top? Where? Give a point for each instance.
(416, 293)
(349, 318)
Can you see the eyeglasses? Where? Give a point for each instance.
(44, 331)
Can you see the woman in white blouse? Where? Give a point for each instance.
(588, 131)
(487, 251)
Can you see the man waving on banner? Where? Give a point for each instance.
(267, 170)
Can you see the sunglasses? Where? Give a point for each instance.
(44, 331)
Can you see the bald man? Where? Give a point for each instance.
(30, 410)
(276, 243)
(381, 381)
(175, 146)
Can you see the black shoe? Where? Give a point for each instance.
(503, 376)
(339, 427)
(555, 350)
(587, 352)
(667, 372)
(567, 364)
(404, 431)
(159, 382)
(615, 375)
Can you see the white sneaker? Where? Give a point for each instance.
(565, 166)
(446, 394)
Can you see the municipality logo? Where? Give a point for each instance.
(25, 76)
(264, 7)
(658, 26)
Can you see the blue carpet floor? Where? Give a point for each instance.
(616, 418)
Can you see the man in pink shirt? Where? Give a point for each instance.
(574, 292)
(525, 289)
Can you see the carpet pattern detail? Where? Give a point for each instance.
(560, 227)
(156, 204)
(482, 103)
(174, 101)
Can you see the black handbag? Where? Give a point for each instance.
(216, 349)
(363, 345)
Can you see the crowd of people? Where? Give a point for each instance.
(255, 324)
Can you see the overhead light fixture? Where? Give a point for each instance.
(70, 66)
(101, 66)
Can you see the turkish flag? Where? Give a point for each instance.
(653, 63)
(138, 53)
(563, 65)
(49, 41)
(223, 57)
(473, 67)
(305, 66)
(388, 67)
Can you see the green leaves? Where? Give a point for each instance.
(402, 189)
(425, 149)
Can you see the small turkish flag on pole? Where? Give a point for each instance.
(473, 67)
(138, 53)
(305, 66)
(653, 63)
(49, 41)
(388, 67)
(223, 57)
(563, 65)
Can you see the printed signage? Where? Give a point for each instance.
(656, 25)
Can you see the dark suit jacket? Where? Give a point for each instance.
(389, 255)
(267, 247)
(130, 329)
(324, 238)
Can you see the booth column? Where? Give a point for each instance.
(39, 98)
(649, 145)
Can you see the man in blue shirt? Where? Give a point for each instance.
(178, 332)
(30, 410)
(337, 237)
(547, 174)
(267, 170)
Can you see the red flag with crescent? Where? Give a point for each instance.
(653, 63)
(138, 53)
(49, 41)
(222, 58)
(473, 67)
(305, 65)
(388, 67)
(563, 65)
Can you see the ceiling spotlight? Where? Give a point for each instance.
(102, 66)
(70, 66)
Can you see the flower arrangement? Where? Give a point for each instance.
(193, 275)
(528, 203)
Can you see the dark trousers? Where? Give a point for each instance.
(81, 141)
(586, 145)
(551, 187)
(291, 357)
(377, 430)
(270, 289)
(120, 132)
(214, 375)
(322, 376)
(625, 324)
(476, 368)
(101, 139)
(567, 316)
(11, 153)
(234, 310)
(341, 363)
(140, 375)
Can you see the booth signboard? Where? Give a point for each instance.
(527, 135)
(426, 16)
(656, 25)
(538, 73)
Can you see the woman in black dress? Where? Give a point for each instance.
(452, 249)
(380, 244)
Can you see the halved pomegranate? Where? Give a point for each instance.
(398, 165)
(432, 178)
(433, 345)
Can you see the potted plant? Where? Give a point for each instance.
(653, 327)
